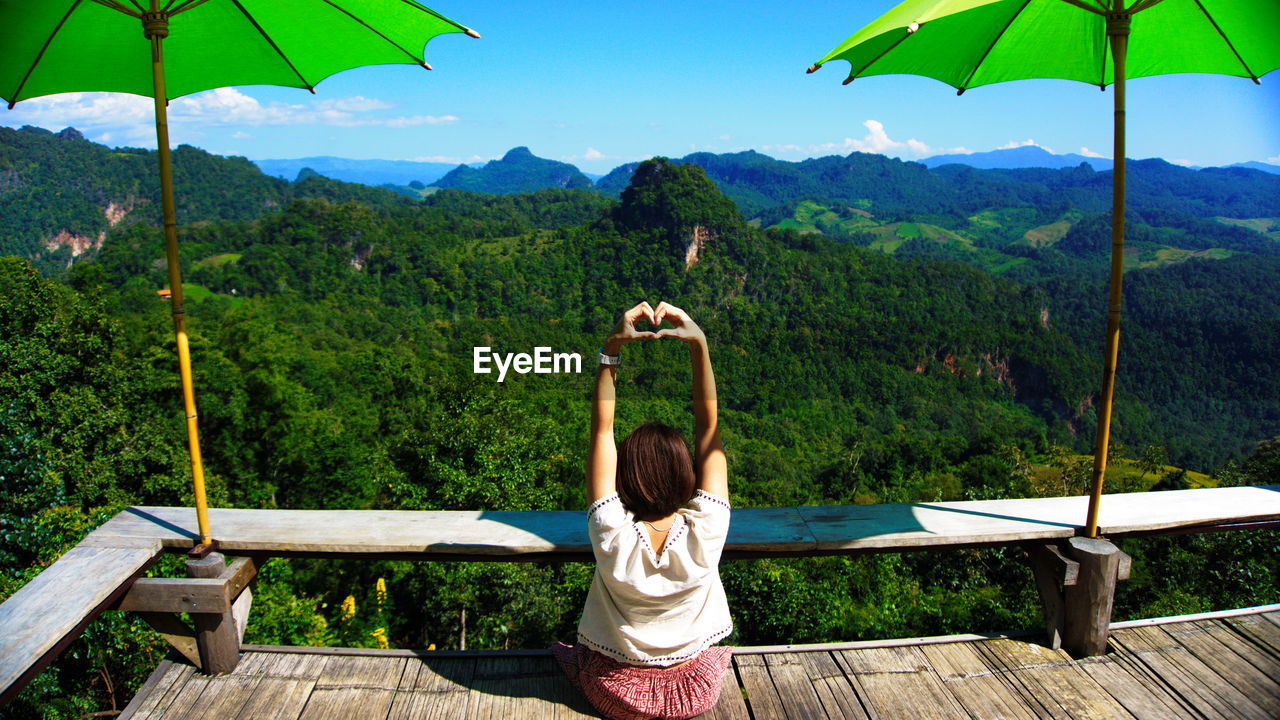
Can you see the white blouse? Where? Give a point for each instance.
(649, 608)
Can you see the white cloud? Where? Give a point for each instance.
(355, 103)
(1027, 143)
(228, 106)
(877, 140)
(724, 137)
(592, 155)
(83, 109)
(414, 120)
(129, 117)
(1273, 160)
(240, 135)
(1090, 153)
(1182, 161)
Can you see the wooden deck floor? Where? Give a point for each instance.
(1226, 668)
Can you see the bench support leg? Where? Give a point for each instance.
(240, 612)
(216, 636)
(1088, 601)
(1053, 573)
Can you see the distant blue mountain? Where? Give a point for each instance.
(519, 171)
(1255, 165)
(1028, 156)
(365, 172)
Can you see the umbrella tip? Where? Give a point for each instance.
(959, 91)
(847, 80)
(472, 33)
(425, 65)
(15, 102)
(814, 67)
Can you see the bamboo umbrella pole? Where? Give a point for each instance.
(156, 28)
(1118, 34)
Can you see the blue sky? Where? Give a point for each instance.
(598, 84)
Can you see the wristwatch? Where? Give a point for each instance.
(612, 360)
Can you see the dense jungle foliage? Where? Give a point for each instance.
(332, 329)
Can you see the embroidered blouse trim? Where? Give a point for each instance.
(665, 660)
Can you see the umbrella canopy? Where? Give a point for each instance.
(967, 43)
(169, 48)
(87, 45)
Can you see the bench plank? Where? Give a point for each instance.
(465, 534)
(56, 605)
(824, 529)
(990, 522)
(116, 553)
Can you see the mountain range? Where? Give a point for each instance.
(1023, 222)
(1027, 156)
(1202, 250)
(519, 171)
(522, 171)
(365, 172)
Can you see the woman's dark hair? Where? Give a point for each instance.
(655, 472)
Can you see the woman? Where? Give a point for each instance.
(657, 521)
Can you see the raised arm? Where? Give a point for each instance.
(602, 452)
(709, 460)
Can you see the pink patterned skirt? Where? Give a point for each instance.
(626, 692)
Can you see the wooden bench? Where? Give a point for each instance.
(755, 532)
(44, 616)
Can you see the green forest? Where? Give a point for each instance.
(332, 328)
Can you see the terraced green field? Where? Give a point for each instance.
(1267, 226)
(1171, 255)
(890, 237)
(1123, 475)
(810, 216)
(1047, 235)
(217, 261)
(199, 293)
(813, 217)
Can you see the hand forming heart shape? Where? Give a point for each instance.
(682, 326)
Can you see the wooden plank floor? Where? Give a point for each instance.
(1205, 668)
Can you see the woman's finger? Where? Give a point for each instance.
(640, 310)
(648, 313)
(659, 314)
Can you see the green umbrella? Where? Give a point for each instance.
(967, 43)
(169, 48)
